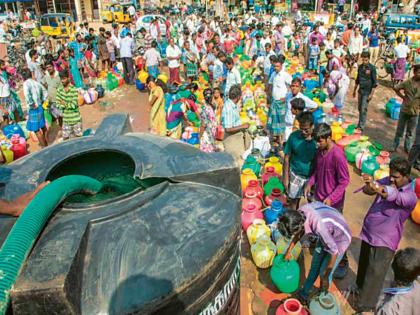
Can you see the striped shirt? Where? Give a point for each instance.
(35, 93)
(68, 102)
(230, 115)
(329, 225)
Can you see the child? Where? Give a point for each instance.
(330, 176)
(297, 43)
(35, 95)
(338, 50)
(323, 60)
(153, 58)
(334, 237)
(91, 63)
(314, 51)
(299, 152)
(111, 46)
(67, 100)
(402, 298)
(218, 101)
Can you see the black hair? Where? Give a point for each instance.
(298, 103)
(322, 131)
(49, 63)
(91, 29)
(108, 33)
(291, 223)
(32, 53)
(305, 118)
(365, 54)
(297, 80)
(406, 266)
(399, 39)
(281, 59)
(416, 67)
(254, 58)
(101, 29)
(400, 165)
(267, 45)
(273, 58)
(192, 86)
(153, 44)
(63, 74)
(2, 62)
(235, 92)
(26, 74)
(220, 55)
(150, 78)
(229, 61)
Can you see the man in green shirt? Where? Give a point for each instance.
(67, 100)
(299, 153)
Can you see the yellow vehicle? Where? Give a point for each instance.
(115, 13)
(57, 24)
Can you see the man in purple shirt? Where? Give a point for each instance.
(330, 177)
(334, 237)
(382, 229)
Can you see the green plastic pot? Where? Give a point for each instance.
(285, 274)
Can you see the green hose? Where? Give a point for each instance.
(29, 225)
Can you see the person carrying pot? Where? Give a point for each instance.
(333, 236)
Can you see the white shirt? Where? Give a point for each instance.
(127, 47)
(401, 51)
(233, 77)
(309, 104)
(173, 52)
(131, 10)
(286, 30)
(275, 20)
(323, 30)
(152, 57)
(280, 82)
(154, 31)
(355, 44)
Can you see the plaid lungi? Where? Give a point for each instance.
(36, 119)
(276, 124)
(191, 69)
(296, 185)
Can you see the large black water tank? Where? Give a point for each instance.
(166, 242)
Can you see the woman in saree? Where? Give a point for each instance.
(75, 71)
(182, 113)
(208, 123)
(157, 103)
(9, 100)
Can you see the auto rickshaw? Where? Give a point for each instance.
(115, 13)
(57, 24)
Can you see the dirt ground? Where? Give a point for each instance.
(258, 295)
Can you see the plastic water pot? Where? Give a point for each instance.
(285, 274)
(361, 157)
(415, 214)
(369, 166)
(252, 163)
(250, 213)
(276, 194)
(282, 245)
(12, 129)
(257, 229)
(273, 182)
(274, 212)
(274, 162)
(382, 172)
(247, 175)
(254, 186)
(263, 252)
(269, 172)
(291, 307)
(324, 304)
(251, 199)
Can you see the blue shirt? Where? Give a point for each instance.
(373, 39)
(230, 115)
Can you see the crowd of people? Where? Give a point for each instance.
(314, 166)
